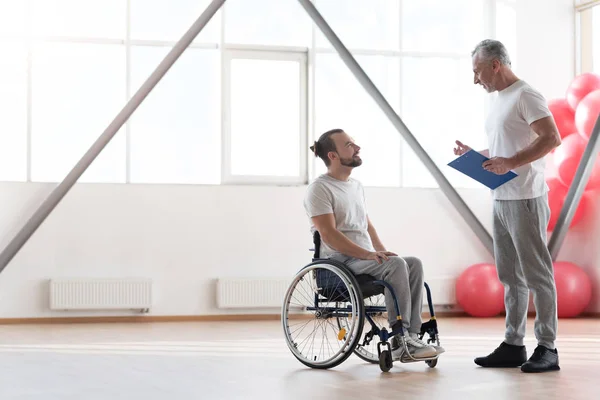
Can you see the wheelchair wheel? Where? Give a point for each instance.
(319, 294)
(366, 348)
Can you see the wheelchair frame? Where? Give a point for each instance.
(367, 287)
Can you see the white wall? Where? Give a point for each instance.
(185, 237)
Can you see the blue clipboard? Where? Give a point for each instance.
(470, 164)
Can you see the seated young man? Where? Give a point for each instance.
(336, 206)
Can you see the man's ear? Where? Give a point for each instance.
(332, 155)
(495, 65)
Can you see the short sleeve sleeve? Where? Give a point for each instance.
(318, 200)
(533, 106)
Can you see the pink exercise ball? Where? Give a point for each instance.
(573, 289)
(587, 113)
(479, 291)
(563, 115)
(580, 87)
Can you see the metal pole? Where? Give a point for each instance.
(61, 190)
(372, 90)
(584, 170)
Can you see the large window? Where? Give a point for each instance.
(442, 26)
(246, 99)
(175, 134)
(267, 22)
(440, 104)
(13, 117)
(77, 89)
(160, 20)
(265, 129)
(341, 102)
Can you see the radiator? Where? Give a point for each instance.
(100, 294)
(251, 292)
(269, 292)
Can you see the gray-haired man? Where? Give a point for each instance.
(521, 131)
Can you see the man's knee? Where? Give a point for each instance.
(415, 265)
(397, 262)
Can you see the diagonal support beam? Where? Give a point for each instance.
(61, 190)
(372, 90)
(575, 192)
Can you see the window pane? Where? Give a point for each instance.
(12, 17)
(179, 122)
(267, 22)
(89, 18)
(373, 24)
(506, 28)
(341, 102)
(13, 118)
(442, 25)
(596, 38)
(169, 20)
(78, 89)
(440, 104)
(265, 117)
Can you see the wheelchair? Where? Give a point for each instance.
(324, 313)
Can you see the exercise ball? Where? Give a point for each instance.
(479, 291)
(573, 289)
(556, 199)
(587, 113)
(564, 116)
(567, 158)
(580, 87)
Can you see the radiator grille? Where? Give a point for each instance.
(95, 293)
(251, 292)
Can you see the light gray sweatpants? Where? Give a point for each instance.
(524, 263)
(405, 275)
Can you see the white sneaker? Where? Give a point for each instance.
(438, 349)
(416, 348)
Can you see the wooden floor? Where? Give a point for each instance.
(249, 360)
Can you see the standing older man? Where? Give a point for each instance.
(521, 131)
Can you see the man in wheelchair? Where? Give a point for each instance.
(336, 206)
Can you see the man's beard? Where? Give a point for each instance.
(351, 162)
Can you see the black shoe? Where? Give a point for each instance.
(505, 356)
(543, 359)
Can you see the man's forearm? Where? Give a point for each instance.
(341, 243)
(485, 153)
(377, 244)
(538, 149)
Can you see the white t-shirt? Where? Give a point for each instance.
(509, 131)
(346, 201)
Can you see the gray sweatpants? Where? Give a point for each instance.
(405, 275)
(524, 263)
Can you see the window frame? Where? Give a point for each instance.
(230, 53)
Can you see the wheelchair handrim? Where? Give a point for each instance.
(350, 337)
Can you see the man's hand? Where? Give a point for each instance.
(498, 165)
(461, 148)
(380, 256)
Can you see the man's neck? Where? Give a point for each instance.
(506, 80)
(342, 174)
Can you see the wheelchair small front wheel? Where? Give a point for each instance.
(385, 360)
(432, 363)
